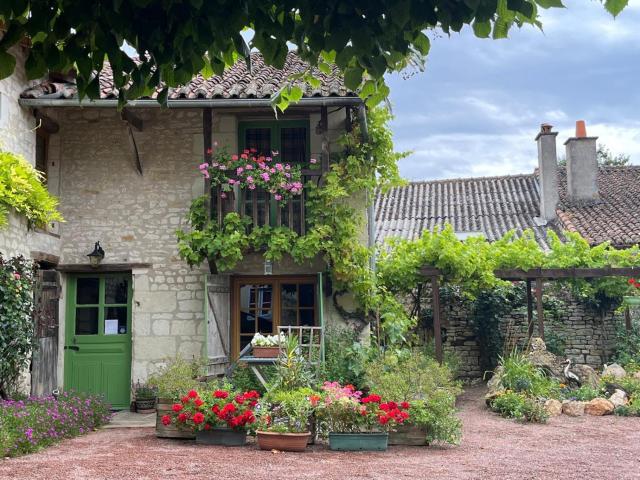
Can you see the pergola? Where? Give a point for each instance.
(539, 275)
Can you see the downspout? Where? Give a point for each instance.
(371, 225)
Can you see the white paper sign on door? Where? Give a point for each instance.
(111, 326)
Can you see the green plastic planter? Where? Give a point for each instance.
(222, 436)
(632, 301)
(354, 442)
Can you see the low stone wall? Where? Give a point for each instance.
(588, 338)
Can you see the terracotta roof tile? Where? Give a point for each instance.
(236, 82)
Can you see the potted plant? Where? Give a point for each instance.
(144, 397)
(176, 376)
(633, 297)
(220, 417)
(267, 346)
(283, 422)
(357, 422)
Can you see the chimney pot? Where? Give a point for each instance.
(546, 128)
(581, 129)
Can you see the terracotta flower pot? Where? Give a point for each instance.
(266, 352)
(287, 442)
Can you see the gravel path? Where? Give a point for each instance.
(566, 448)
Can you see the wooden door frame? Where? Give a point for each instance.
(274, 280)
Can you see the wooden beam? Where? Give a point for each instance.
(43, 257)
(540, 308)
(46, 123)
(324, 123)
(529, 309)
(132, 119)
(102, 268)
(437, 334)
(207, 145)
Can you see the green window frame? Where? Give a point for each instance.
(275, 127)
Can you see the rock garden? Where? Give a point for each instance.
(536, 385)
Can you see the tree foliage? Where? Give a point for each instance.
(177, 39)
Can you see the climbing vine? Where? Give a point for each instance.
(22, 189)
(334, 225)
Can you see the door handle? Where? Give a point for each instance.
(72, 347)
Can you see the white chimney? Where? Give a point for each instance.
(548, 173)
(582, 166)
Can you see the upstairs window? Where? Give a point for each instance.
(42, 144)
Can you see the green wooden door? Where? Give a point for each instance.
(97, 356)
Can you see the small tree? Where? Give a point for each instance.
(605, 157)
(17, 336)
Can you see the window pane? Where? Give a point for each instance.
(289, 295)
(87, 321)
(247, 297)
(116, 290)
(247, 322)
(245, 340)
(262, 206)
(293, 144)
(88, 291)
(297, 215)
(265, 321)
(41, 155)
(260, 139)
(289, 317)
(307, 317)
(263, 296)
(115, 320)
(307, 295)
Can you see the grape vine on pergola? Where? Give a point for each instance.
(539, 275)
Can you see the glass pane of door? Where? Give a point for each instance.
(88, 291)
(87, 320)
(293, 144)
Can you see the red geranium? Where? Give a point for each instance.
(198, 418)
(405, 405)
(177, 407)
(192, 394)
(166, 420)
(220, 394)
(198, 402)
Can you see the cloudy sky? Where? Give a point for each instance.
(478, 105)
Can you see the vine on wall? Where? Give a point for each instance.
(335, 225)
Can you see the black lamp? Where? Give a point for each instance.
(96, 256)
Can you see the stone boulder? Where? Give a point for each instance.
(587, 375)
(619, 398)
(599, 407)
(540, 357)
(614, 370)
(553, 407)
(494, 385)
(573, 408)
(637, 375)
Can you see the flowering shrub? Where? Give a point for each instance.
(250, 170)
(634, 287)
(287, 411)
(220, 408)
(17, 336)
(345, 409)
(28, 425)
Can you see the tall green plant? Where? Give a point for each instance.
(17, 336)
(22, 189)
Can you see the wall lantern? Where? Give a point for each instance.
(268, 267)
(96, 256)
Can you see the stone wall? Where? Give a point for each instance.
(588, 339)
(135, 216)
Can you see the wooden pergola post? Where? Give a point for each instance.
(540, 308)
(529, 308)
(437, 334)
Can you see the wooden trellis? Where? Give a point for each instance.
(539, 275)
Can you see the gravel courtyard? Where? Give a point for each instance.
(566, 448)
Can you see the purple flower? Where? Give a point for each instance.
(313, 160)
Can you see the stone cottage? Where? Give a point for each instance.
(126, 179)
(602, 203)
